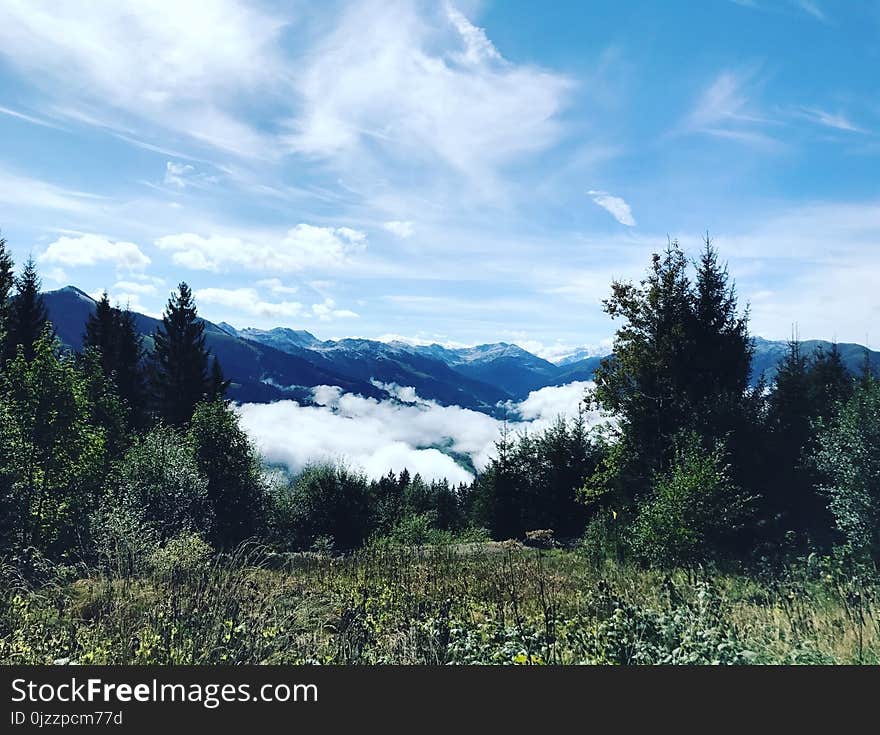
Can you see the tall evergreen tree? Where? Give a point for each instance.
(101, 333)
(28, 317)
(180, 359)
(645, 382)
(7, 282)
(112, 333)
(722, 350)
(217, 382)
(830, 382)
(788, 424)
(681, 364)
(130, 379)
(807, 390)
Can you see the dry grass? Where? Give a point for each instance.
(485, 603)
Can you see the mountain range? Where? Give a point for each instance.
(282, 363)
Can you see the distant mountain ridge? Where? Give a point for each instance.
(284, 363)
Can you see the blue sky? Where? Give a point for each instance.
(459, 173)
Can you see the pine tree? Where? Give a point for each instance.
(180, 359)
(218, 385)
(129, 368)
(647, 380)
(722, 349)
(28, 316)
(230, 464)
(7, 282)
(112, 333)
(681, 365)
(789, 499)
(830, 383)
(101, 333)
(866, 373)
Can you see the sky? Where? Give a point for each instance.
(459, 173)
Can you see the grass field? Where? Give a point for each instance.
(496, 603)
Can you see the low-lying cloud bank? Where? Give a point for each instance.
(403, 432)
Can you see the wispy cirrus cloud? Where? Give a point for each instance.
(181, 66)
(837, 121)
(725, 109)
(421, 89)
(18, 191)
(808, 7)
(29, 118)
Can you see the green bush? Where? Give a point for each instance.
(236, 488)
(160, 482)
(694, 632)
(692, 508)
(849, 459)
(183, 554)
(604, 537)
(123, 538)
(323, 501)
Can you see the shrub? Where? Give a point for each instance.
(123, 539)
(182, 554)
(604, 537)
(849, 459)
(692, 508)
(236, 488)
(414, 530)
(324, 501)
(52, 453)
(695, 632)
(159, 480)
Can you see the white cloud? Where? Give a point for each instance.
(275, 285)
(304, 246)
(421, 341)
(24, 191)
(93, 249)
(559, 351)
(56, 275)
(401, 229)
(815, 265)
(478, 47)
(135, 287)
(127, 300)
(616, 206)
(725, 110)
(327, 311)
(390, 82)
(180, 65)
(176, 173)
(378, 436)
(29, 118)
(831, 120)
(547, 403)
(248, 301)
(810, 7)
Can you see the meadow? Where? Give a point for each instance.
(481, 603)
